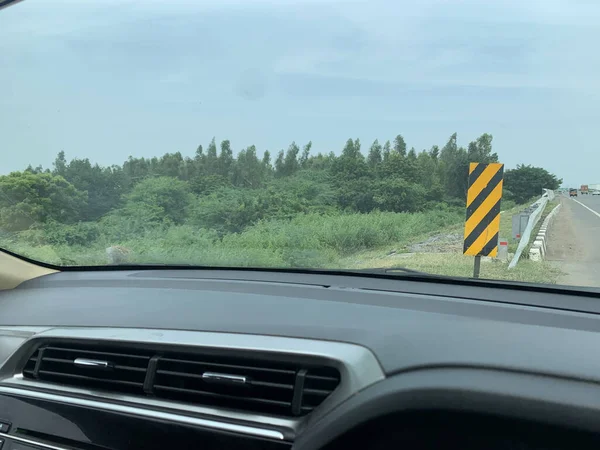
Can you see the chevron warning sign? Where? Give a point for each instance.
(482, 224)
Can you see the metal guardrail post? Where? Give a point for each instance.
(534, 218)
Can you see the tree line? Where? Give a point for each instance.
(218, 190)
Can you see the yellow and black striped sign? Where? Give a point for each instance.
(483, 209)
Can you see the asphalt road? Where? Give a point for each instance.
(574, 240)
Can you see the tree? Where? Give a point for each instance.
(28, 198)
(168, 197)
(60, 164)
(211, 159)
(400, 145)
(351, 164)
(225, 161)
(410, 167)
(386, 150)
(248, 170)
(480, 150)
(287, 163)
(526, 182)
(454, 168)
(267, 159)
(426, 169)
(279, 164)
(305, 155)
(104, 186)
(375, 156)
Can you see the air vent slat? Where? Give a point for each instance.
(318, 378)
(115, 367)
(208, 364)
(222, 396)
(316, 392)
(179, 374)
(199, 377)
(273, 385)
(252, 382)
(83, 377)
(108, 354)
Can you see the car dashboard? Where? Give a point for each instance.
(273, 360)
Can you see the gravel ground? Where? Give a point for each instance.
(440, 243)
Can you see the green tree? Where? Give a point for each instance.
(351, 164)
(248, 170)
(480, 150)
(387, 147)
(168, 197)
(60, 164)
(225, 161)
(104, 186)
(211, 161)
(454, 168)
(375, 154)
(33, 198)
(526, 182)
(400, 145)
(305, 155)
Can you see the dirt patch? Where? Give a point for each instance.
(563, 242)
(567, 249)
(440, 243)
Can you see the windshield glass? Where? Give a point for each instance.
(448, 137)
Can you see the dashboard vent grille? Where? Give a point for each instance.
(318, 385)
(242, 383)
(74, 366)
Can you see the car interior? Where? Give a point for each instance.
(260, 359)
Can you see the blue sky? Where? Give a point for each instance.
(105, 79)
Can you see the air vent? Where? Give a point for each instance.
(73, 366)
(318, 385)
(251, 384)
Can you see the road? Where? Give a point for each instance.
(574, 240)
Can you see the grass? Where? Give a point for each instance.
(311, 240)
(458, 265)
(506, 224)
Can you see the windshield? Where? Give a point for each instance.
(447, 137)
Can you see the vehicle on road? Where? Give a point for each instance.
(584, 189)
(572, 192)
(596, 192)
(594, 187)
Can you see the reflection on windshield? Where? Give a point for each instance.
(302, 134)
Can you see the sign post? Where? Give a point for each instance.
(482, 223)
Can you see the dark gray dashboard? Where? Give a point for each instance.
(406, 323)
(404, 344)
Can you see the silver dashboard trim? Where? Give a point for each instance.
(9, 437)
(288, 425)
(147, 413)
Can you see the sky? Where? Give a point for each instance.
(106, 79)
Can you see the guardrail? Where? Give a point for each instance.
(534, 218)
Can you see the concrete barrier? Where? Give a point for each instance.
(539, 248)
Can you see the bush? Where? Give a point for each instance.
(231, 210)
(168, 199)
(53, 233)
(345, 233)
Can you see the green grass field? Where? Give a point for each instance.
(312, 240)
